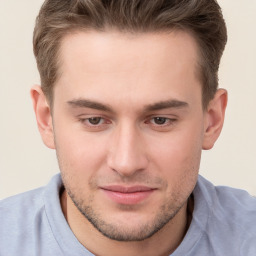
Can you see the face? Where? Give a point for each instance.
(128, 128)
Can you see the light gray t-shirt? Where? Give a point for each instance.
(223, 224)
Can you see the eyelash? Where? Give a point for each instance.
(100, 125)
(167, 121)
(103, 122)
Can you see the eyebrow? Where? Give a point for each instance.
(85, 103)
(166, 104)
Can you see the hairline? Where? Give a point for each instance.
(76, 30)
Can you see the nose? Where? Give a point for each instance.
(127, 152)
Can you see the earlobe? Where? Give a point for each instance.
(43, 116)
(214, 118)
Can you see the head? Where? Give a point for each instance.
(129, 99)
(201, 18)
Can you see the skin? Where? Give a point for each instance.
(128, 111)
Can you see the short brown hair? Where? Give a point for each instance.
(202, 18)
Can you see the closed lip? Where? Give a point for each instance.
(127, 189)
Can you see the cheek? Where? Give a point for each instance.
(179, 153)
(178, 162)
(79, 153)
(79, 161)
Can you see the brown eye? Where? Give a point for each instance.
(160, 120)
(94, 120)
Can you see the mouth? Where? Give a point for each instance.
(127, 195)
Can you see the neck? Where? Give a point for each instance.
(162, 243)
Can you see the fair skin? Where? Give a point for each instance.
(128, 127)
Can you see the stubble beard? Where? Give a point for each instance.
(113, 231)
(163, 215)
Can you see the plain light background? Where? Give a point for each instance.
(25, 163)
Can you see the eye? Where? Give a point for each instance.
(160, 120)
(160, 123)
(95, 120)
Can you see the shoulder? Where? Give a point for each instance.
(228, 202)
(16, 210)
(17, 213)
(30, 202)
(24, 222)
(231, 221)
(22, 204)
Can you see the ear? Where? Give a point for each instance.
(43, 116)
(214, 118)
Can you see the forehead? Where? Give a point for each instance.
(93, 63)
(118, 47)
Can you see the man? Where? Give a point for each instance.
(129, 99)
